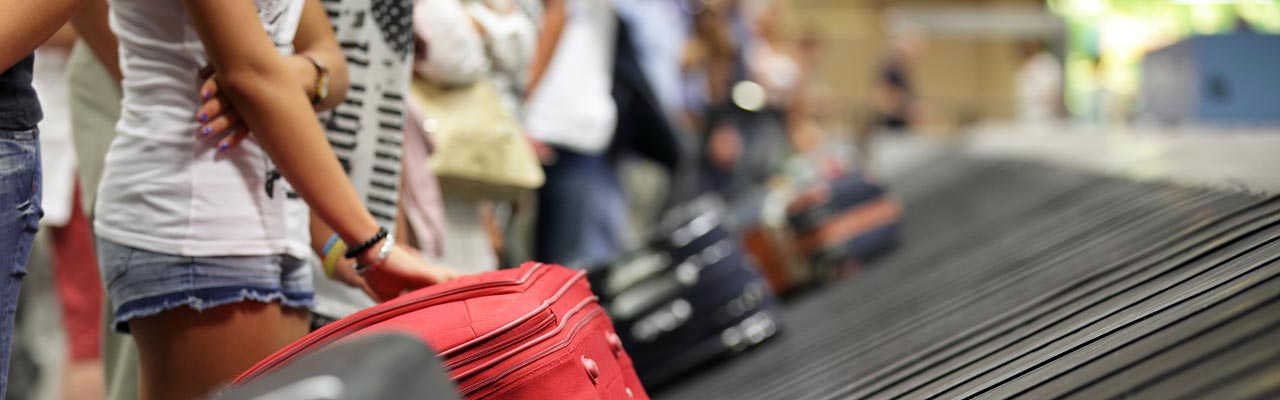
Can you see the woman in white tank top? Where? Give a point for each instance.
(201, 242)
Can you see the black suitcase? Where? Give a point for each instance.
(689, 296)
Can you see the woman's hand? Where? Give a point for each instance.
(545, 153)
(345, 272)
(403, 271)
(725, 146)
(218, 119)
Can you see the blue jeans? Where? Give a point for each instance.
(581, 212)
(19, 219)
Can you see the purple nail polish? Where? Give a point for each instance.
(204, 117)
(206, 131)
(206, 95)
(223, 146)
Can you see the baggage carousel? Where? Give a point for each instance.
(1028, 279)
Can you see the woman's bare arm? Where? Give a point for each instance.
(260, 84)
(554, 16)
(27, 24)
(315, 39)
(92, 24)
(256, 79)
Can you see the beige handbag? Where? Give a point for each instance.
(480, 149)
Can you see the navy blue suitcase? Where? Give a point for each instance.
(688, 296)
(847, 221)
(661, 305)
(690, 227)
(813, 207)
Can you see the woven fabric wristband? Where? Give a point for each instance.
(333, 251)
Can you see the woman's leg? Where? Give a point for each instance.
(188, 354)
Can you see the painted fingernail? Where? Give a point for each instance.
(223, 146)
(206, 95)
(207, 130)
(204, 117)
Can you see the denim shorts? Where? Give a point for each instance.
(142, 283)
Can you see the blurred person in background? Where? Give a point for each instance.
(465, 41)
(93, 76)
(366, 131)
(235, 228)
(1100, 101)
(570, 114)
(651, 148)
(770, 56)
(774, 66)
(95, 108)
(814, 105)
(745, 87)
(1038, 85)
(71, 254)
(710, 61)
(660, 30)
(895, 95)
(712, 64)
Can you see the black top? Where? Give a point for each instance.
(19, 107)
(894, 73)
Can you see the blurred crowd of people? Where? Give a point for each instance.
(228, 219)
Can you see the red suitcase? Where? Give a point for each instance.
(535, 332)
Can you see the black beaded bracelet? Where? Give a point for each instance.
(356, 250)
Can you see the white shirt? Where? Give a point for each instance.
(57, 155)
(167, 189)
(1039, 86)
(572, 107)
(455, 51)
(459, 55)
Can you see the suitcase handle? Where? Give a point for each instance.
(548, 319)
(546, 305)
(461, 376)
(597, 312)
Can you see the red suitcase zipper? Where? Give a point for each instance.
(370, 317)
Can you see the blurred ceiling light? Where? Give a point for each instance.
(1079, 7)
(1195, 2)
(749, 95)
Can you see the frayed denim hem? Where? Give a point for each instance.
(204, 299)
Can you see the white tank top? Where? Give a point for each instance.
(164, 187)
(572, 107)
